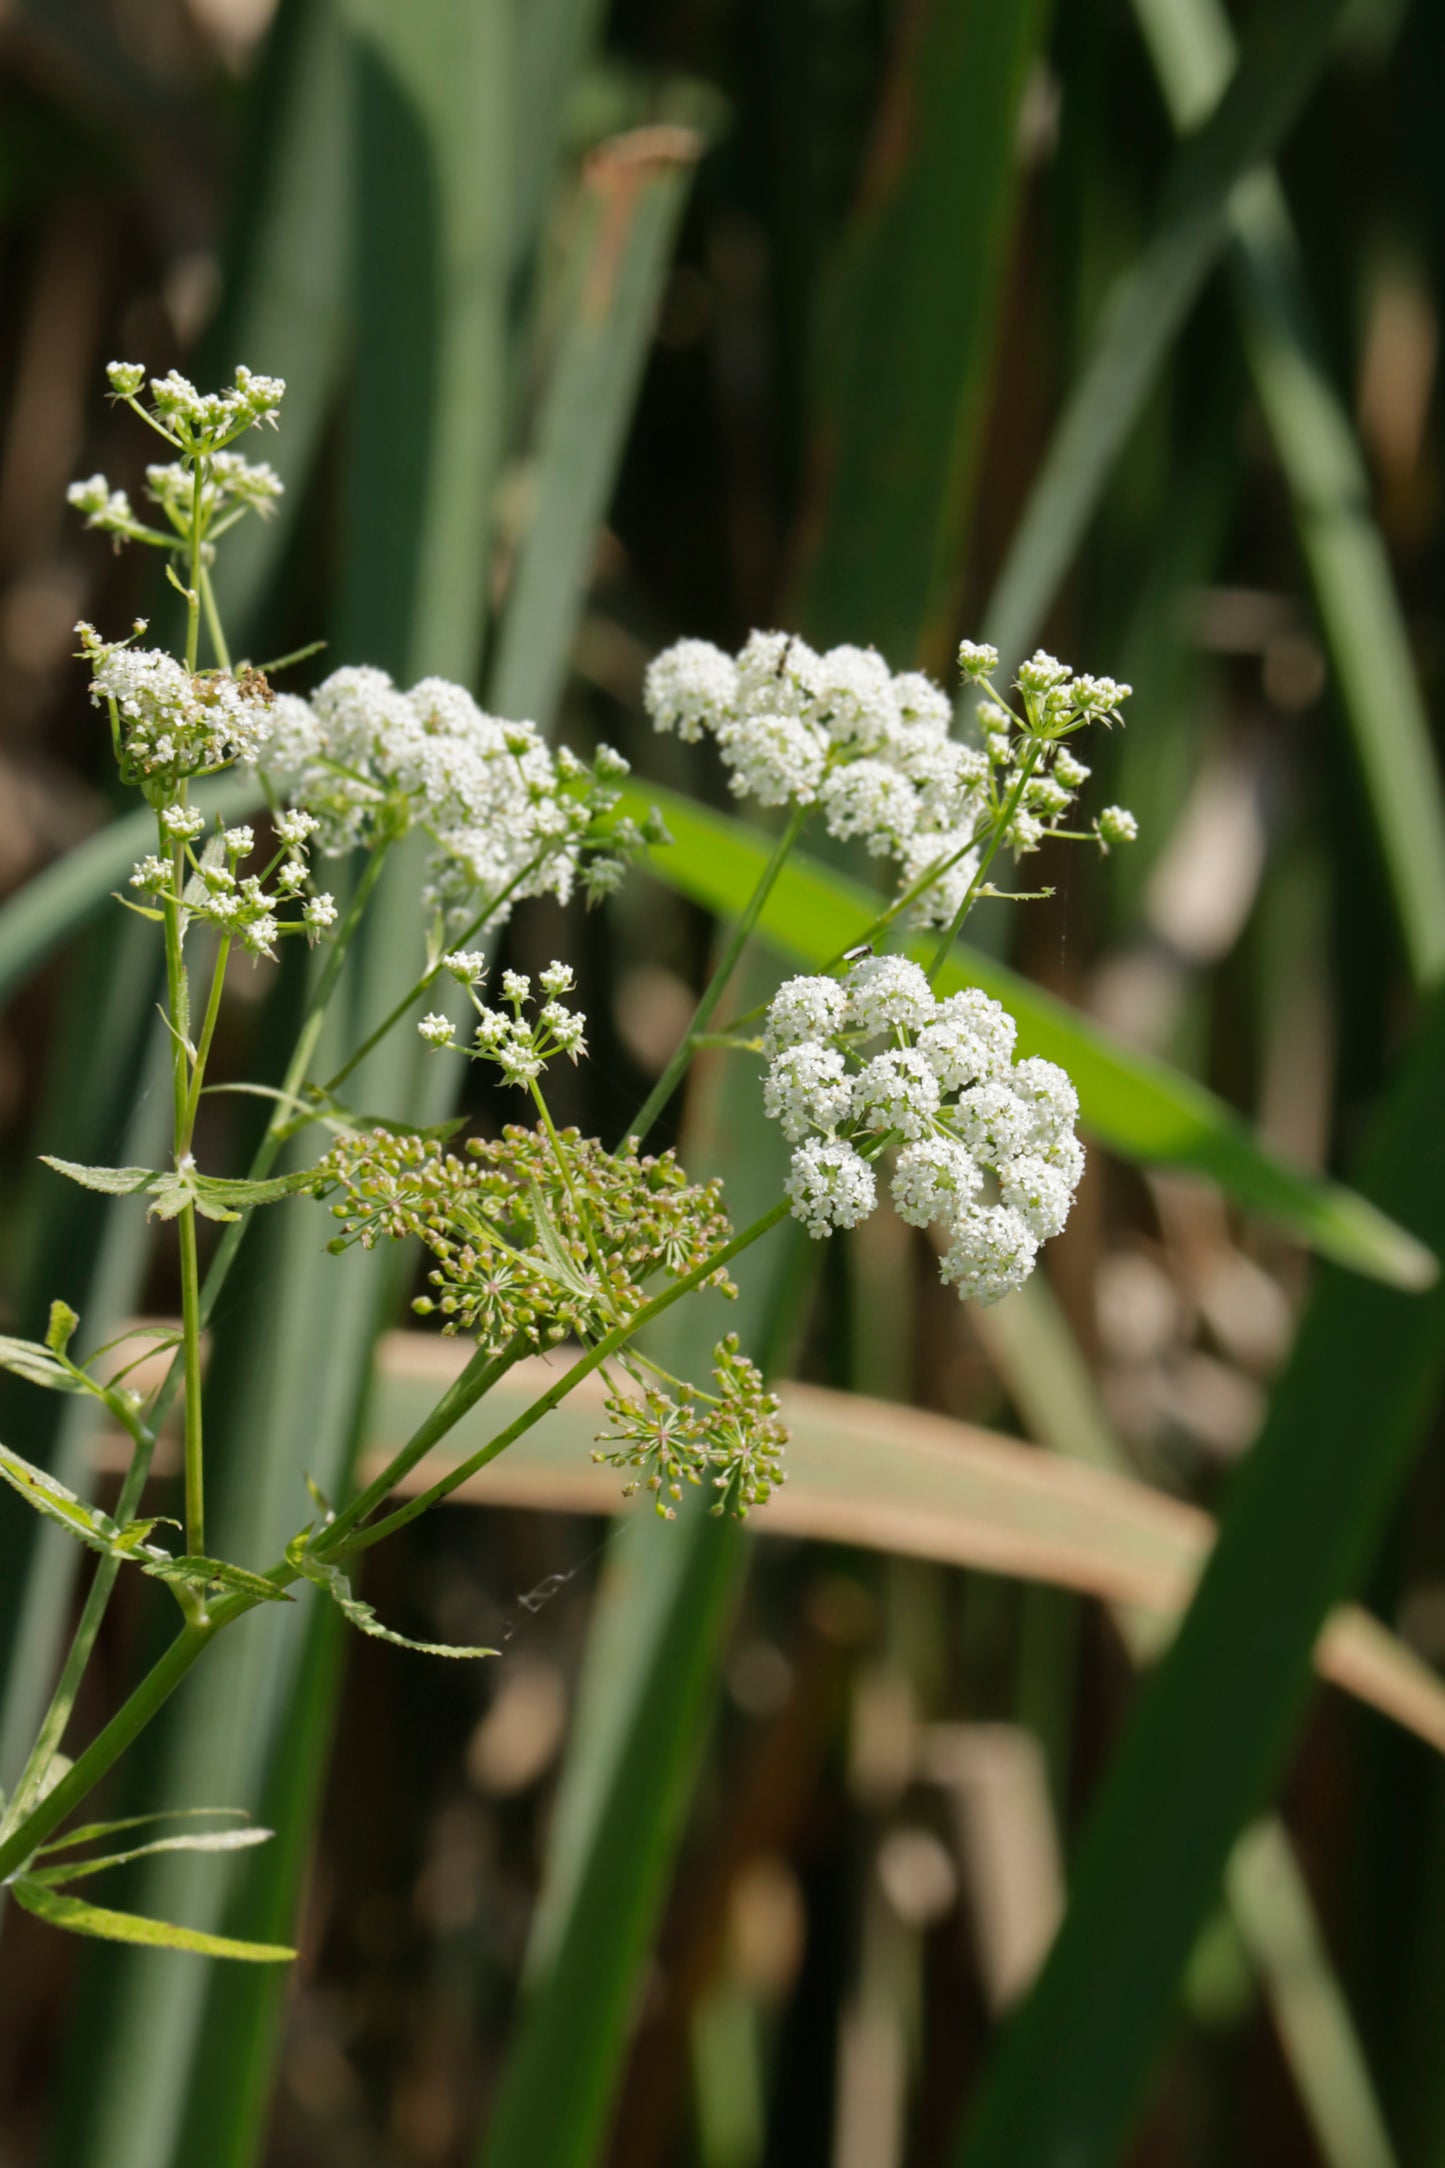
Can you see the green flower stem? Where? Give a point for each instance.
(592, 1360)
(130, 1719)
(870, 933)
(193, 598)
(208, 1032)
(278, 1129)
(57, 1716)
(480, 1375)
(191, 1356)
(672, 1075)
(394, 1017)
(583, 1216)
(183, 1063)
(213, 620)
(133, 1488)
(1010, 807)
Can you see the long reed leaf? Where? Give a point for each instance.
(1029, 1341)
(880, 1476)
(1147, 310)
(634, 189)
(1216, 1720)
(914, 307)
(1359, 610)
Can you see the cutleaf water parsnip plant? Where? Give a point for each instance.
(540, 1239)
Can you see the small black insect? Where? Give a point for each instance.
(856, 955)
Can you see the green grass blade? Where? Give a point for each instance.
(649, 1694)
(284, 309)
(914, 316)
(1359, 610)
(1133, 1103)
(433, 239)
(633, 196)
(1147, 311)
(1216, 1720)
(1029, 1342)
(187, 2072)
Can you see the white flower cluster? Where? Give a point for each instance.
(520, 1049)
(230, 486)
(195, 420)
(873, 750)
(228, 482)
(987, 1144)
(169, 723)
(509, 818)
(213, 890)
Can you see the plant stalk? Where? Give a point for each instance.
(1010, 807)
(673, 1074)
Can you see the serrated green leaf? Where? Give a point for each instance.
(86, 1523)
(1132, 1102)
(172, 1191)
(208, 1573)
(112, 1181)
(362, 1615)
(79, 1918)
(29, 1360)
(219, 1190)
(203, 1840)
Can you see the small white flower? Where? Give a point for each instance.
(1070, 771)
(465, 965)
(969, 1038)
(777, 675)
(896, 1090)
(934, 1179)
(1039, 1193)
(290, 876)
(806, 1087)
(152, 873)
(803, 1009)
(690, 687)
(870, 799)
(566, 1028)
(516, 986)
(888, 993)
(259, 934)
(774, 758)
(992, 1253)
(319, 913)
(1048, 1093)
(557, 979)
(295, 825)
(1042, 673)
(855, 700)
(1116, 824)
(993, 1122)
(182, 821)
(925, 707)
(239, 842)
(831, 1185)
(436, 1029)
(976, 659)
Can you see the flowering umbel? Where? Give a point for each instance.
(985, 1145)
(873, 752)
